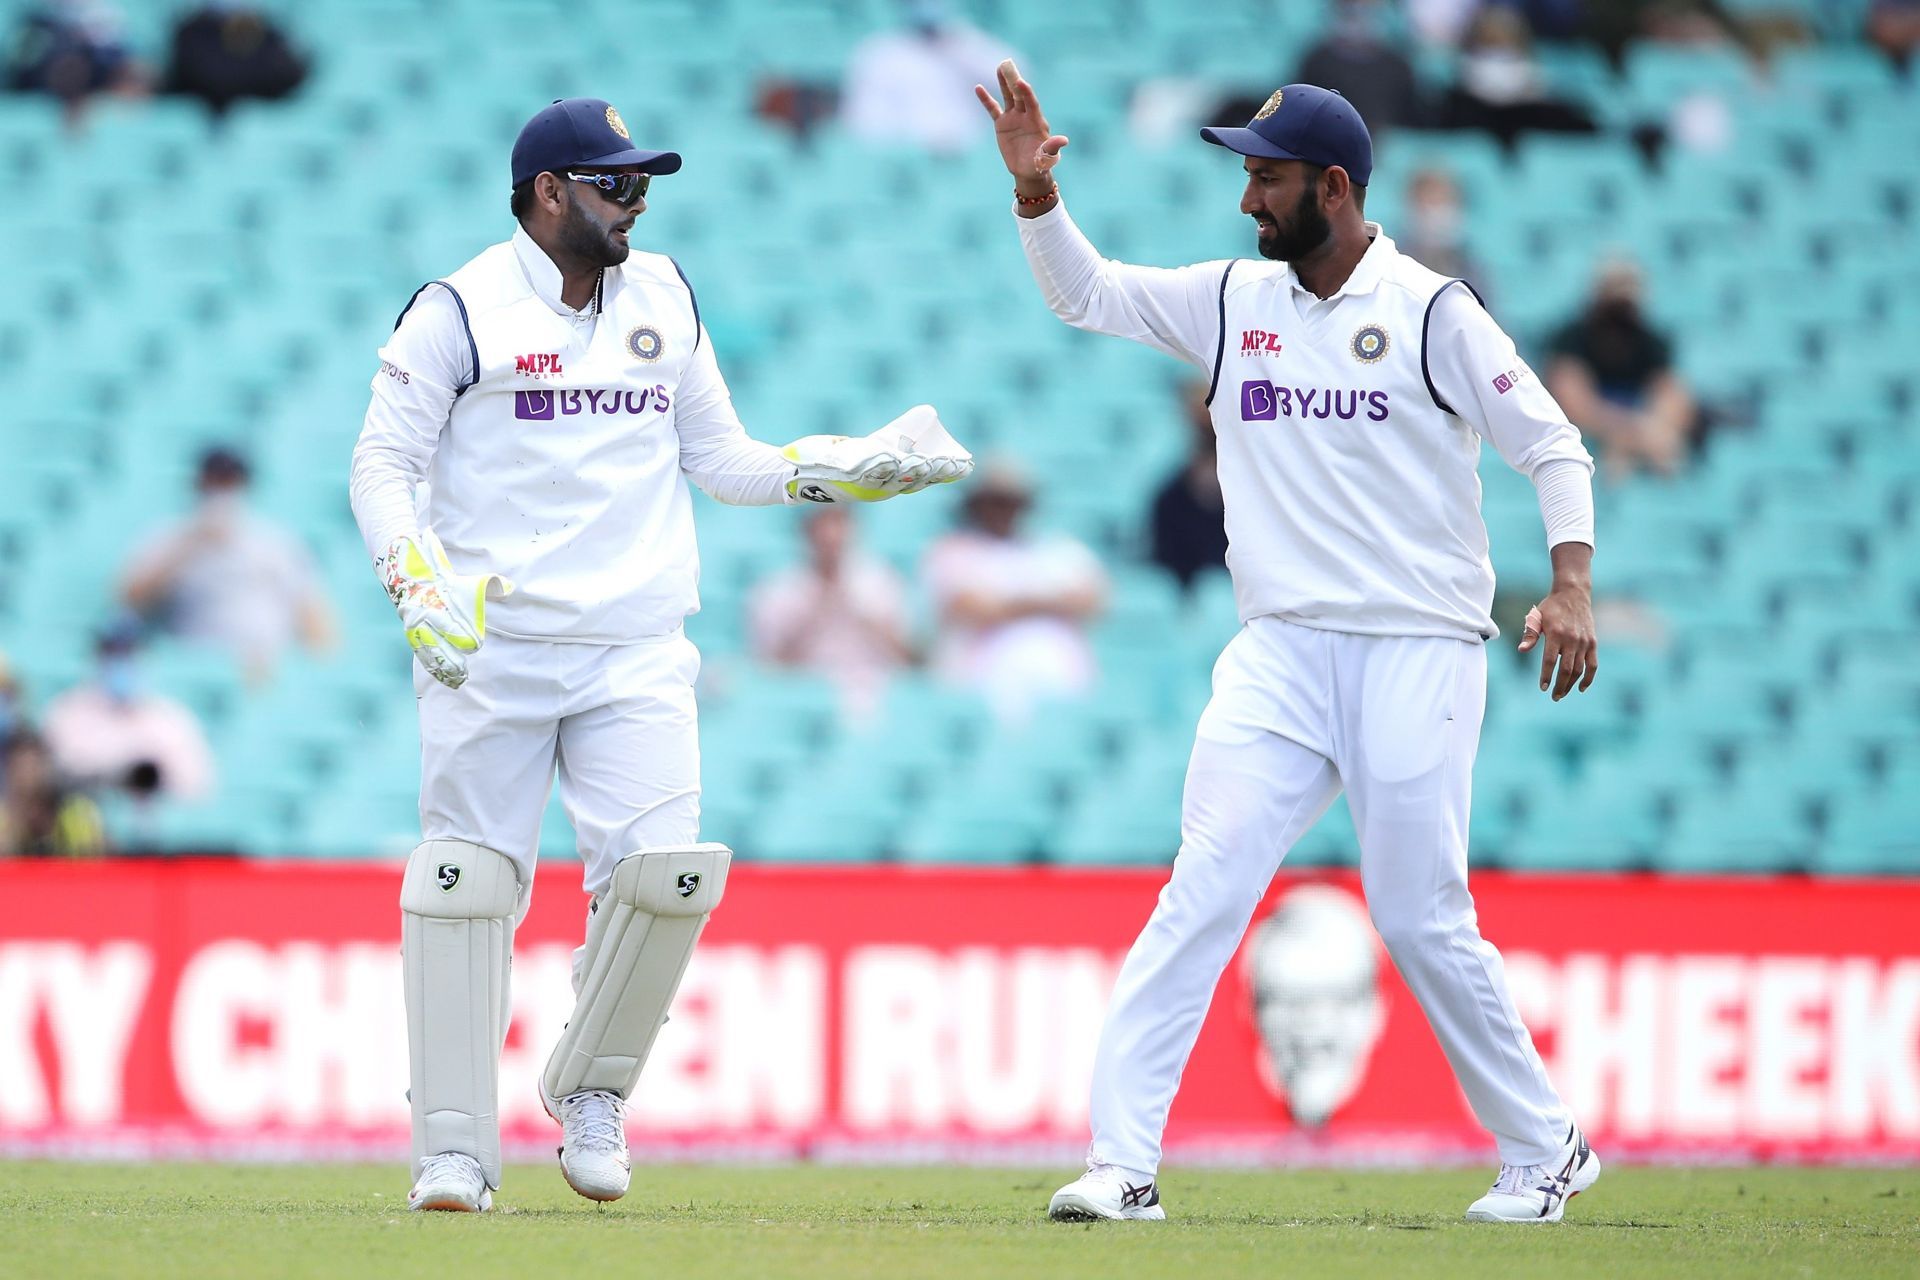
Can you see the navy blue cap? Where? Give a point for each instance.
(582, 133)
(1304, 122)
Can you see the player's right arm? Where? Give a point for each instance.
(424, 366)
(1176, 311)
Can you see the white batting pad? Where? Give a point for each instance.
(638, 945)
(457, 911)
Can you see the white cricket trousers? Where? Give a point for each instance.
(1296, 713)
(616, 722)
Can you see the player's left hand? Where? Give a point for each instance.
(905, 456)
(1562, 628)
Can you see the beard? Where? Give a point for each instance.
(1301, 234)
(589, 240)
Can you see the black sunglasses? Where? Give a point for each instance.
(621, 188)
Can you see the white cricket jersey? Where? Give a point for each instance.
(556, 444)
(1349, 427)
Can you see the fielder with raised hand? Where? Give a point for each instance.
(1351, 389)
(521, 481)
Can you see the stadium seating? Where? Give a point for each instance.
(257, 262)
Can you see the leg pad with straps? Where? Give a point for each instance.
(458, 905)
(639, 941)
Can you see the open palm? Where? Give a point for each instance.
(1028, 145)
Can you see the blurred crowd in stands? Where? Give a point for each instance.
(1009, 610)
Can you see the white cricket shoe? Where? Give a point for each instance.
(1107, 1191)
(1539, 1192)
(451, 1181)
(593, 1155)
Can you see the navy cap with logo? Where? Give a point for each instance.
(582, 133)
(1304, 122)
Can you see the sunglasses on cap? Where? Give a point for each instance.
(621, 188)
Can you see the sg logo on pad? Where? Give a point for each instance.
(446, 875)
(688, 882)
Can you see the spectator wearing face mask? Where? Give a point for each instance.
(113, 732)
(1614, 374)
(1435, 230)
(230, 577)
(1502, 89)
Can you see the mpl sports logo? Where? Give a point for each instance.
(1258, 342)
(540, 364)
(545, 406)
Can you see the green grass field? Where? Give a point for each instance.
(72, 1221)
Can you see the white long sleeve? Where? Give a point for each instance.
(715, 450)
(421, 368)
(1479, 373)
(1175, 310)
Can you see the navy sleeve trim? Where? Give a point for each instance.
(1426, 322)
(473, 348)
(1220, 348)
(692, 298)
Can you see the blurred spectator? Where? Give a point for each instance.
(1501, 88)
(1440, 22)
(39, 817)
(1013, 608)
(1615, 24)
(1356, 59)
(222, 53)
(229, 577)
(798, 105)
(72, 49)
(114, 732)
(916, 85)
(1613, 373)
(13, 716)
(1436, 230)
(1189, 515)
(842, 614)
(1894, 26)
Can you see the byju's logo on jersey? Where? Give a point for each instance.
(1258, 342)
(1263, 401)
(544, 406)
(541, 364)
(1507, 381)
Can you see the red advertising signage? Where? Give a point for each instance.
(254, 1008)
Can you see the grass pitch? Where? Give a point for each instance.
(72, 1221)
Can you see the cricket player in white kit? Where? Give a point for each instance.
(1352, 388)
(535, 421)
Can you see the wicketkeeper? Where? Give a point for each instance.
(521, 481)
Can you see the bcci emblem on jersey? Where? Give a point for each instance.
(645, 343)
(1369, 343)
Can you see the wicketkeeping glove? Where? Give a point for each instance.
(905, 456)
(445, 613)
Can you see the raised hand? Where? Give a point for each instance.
(1028, 145)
